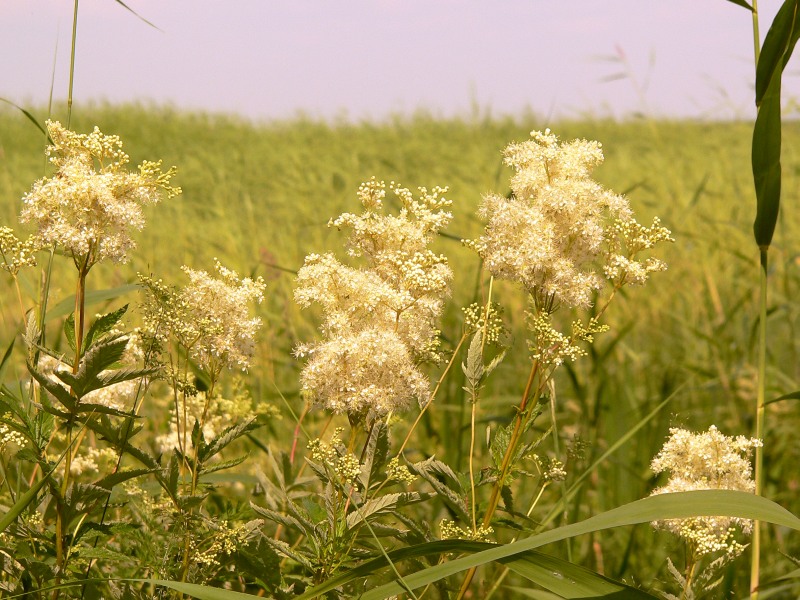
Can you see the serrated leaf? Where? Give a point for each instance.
(109, 378)
(473, 368)
(222, 465)
(377, 505)
(259, 561)
(100, 357)
(103, 325)
(59, 392)
(452, 498)
(228, 435)
(109, 481)
(69, 331)
(283, 548)
(287, 521)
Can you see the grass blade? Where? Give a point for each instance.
(67, 305)
(664, 506)
(766, 152)
(742, 3)
(30, 117)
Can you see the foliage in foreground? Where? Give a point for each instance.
(95, 491)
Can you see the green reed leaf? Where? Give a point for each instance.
(67, 305)
(202, 592)
(791, 396)
(664, 506)
(742, 3)
(29, 116)
(23, 502)
(569, 580)
(766, 150)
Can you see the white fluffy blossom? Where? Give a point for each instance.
(92, 203)
(210, 317)
(559, 226)
(380, 320)
(706, 461)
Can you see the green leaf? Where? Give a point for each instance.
(202, 592)
(381, 504)
(766, 149)
(97, 359)
(227, 436)
(22, 503)
(791, 396)
(568, 580)
(59, 392)
(535, 594)
(109, 481)
(69, 331)
(6, 356)
(103, 325)
(30, 118)
(779, 41)
(663, 506)
(67, 305)
(742, 3)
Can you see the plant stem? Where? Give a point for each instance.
(755, 560)
(72, 62)
(755, 552)
(505, 467)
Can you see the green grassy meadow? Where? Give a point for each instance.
(259, 196)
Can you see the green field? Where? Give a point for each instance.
(259, 196)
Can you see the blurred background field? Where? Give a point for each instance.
(259, 196)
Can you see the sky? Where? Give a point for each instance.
(366, 59)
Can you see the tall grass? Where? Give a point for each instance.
(258, 196)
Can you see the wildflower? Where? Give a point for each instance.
(209, 317)
(379, 322)
(219, 412)
(706, 461)
(16, 254)
(92, 203)
(489, 320)
(9, 436)
(333, 456)
(559, 225)
(400, 473)
(449, 531)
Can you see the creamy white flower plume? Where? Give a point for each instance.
(379, 321)
(92, 203)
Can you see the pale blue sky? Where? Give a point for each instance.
(368, 58)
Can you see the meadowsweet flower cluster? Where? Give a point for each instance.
(214, 413)
(489, 320)
(706, 461)
(400, 473)
(379, 321)
(9, 436)
(333, 456)
(15, 253)
(92, 203)
(559, 225)
(448, 530)
(209, 317)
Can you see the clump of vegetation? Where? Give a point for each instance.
(431, 436)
